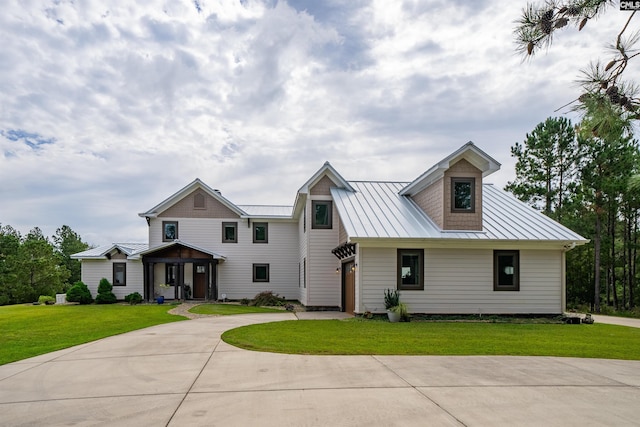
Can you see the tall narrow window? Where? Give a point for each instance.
(322, 211)
(229, 232)
(169, 231)
(463, 195)
(260, 272)
(260, 232)
(506, 270)
(171, 274)
(119, 274)
(411, 269)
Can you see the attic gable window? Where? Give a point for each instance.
(322, 211)
(463, 195)
(199, 201)
(169, 231)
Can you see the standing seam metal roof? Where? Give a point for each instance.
(377, 209)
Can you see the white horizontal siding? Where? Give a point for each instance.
(304, 275)
(324, 287)
(94, 270)
(461, 281)
(235, 274)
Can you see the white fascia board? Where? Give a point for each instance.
(268, 218)
(298, 206)
(443, 243)
(330, 171)
(469, 152)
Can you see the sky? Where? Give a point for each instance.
(108, 108)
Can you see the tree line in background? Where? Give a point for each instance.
(585, 178)
(34, 265)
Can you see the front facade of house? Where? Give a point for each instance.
(448, 241)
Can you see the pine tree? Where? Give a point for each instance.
(547, 166)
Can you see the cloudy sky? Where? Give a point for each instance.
(107, 108)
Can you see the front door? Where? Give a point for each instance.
(349, 287)
(200, 281)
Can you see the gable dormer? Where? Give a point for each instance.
(451, 191)
(319, 184)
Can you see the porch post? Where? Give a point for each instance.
(175, 290)
(151, 281)
(145, 286)
(180, 278)
(214, 279)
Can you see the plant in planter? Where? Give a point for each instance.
(391, 301)
(401, 311)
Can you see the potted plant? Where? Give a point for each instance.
(401, 312)
(159, 295)
(391, 301)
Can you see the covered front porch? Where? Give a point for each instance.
(180, 271)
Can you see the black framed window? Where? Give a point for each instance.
(260, 232)
(463, 192)
(506, 270)
(171, 274)
(411, 269)
(260, 272)
(322, 211)
(119, 274)
(169, 231)
(229, 232)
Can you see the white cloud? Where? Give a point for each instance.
(253, 96)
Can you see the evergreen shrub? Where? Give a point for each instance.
(79, 293)
(105, 296)
(134, 298)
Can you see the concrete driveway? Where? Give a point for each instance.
(182, 374)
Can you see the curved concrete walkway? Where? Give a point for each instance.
(182, 374)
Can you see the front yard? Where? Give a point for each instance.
(356, 336)
(29, 330)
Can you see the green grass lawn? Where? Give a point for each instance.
(228, 309)
(439, 338)
(28, 330)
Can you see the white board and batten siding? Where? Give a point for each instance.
(94, 270)
(235, 273)
(461, 281)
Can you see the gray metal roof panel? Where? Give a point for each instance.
(101, 251)
(376, 210)
(267, 210)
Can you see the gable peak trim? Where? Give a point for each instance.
(469, 152)
(186, 190)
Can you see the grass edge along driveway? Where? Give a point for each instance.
(28, 330)
(357, 337)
